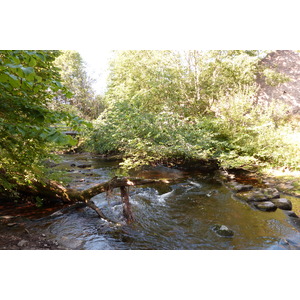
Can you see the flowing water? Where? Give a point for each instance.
(167, 216)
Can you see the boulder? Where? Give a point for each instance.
(252, 196)
(265, 206)
(223, 231)
(238, 187)
(283, 203)
(271, 193)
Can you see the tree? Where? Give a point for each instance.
(209, 75)
(83, 100)
(187, 82)
(185, 105)
(144, 78)
(28, 82)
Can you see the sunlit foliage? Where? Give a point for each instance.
(81, 99)
(189, 105)
(28, 83)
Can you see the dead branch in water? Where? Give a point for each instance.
(53, 189)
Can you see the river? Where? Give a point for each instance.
(178, 215)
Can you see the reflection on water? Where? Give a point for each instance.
(174, 216)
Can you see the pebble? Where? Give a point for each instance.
(6, 217)
(11, 224)
(22, 243)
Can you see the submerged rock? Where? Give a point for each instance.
(289, 244)
(70, 242)
(283, 203)
(265, 206)
(223, 230)
(291, 214)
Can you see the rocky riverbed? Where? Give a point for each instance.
(14, 235)
(197, 209)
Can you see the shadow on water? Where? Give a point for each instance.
(168, 216)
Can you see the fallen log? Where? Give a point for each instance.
(122, 183)
(54, 190)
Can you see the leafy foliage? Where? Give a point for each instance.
(81, 98)
(172, 106)
(28, 82)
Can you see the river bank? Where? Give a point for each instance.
(197, 191)
(14, 235)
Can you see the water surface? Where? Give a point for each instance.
(168, 216)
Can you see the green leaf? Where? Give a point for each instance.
(16, 60)
(71, 141)
(32, 62)
(4, 77)
(19, 72)
(38, 78)
(40, 56)
(14, 66)
(69, 95)
(58, 84)
(20, 130)
(27, 70)
(14, 81)
(30, 77)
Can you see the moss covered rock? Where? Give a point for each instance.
(265, 206)
(223, 230)
(283, 203)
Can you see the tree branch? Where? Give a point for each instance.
(53, 189)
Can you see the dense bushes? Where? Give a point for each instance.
(212, 113)
(235, 140)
